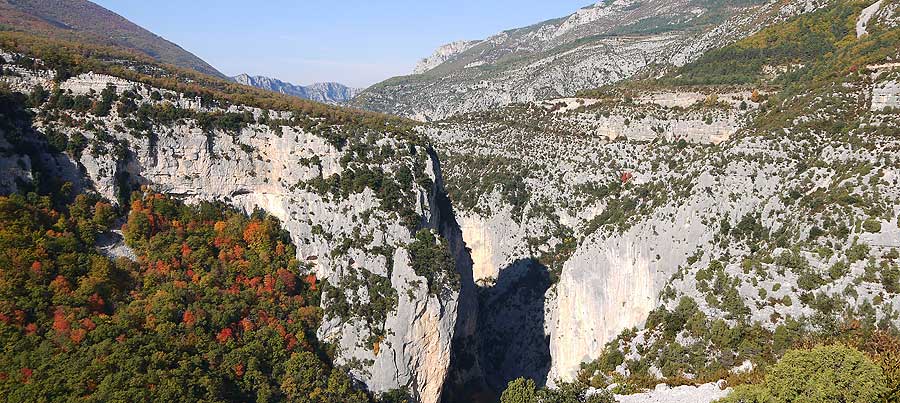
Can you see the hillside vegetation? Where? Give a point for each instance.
(84, 21)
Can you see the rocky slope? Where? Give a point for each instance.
(598, 45)
(360, 204)
(679, 227)
(765, 203)
(442, 54)
(85, 21)
(329, 93)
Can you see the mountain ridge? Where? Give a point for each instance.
(597, 45)
(87, 21)
(325, 92)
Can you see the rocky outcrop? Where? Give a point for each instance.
(886, 95)
(442, 54)
(706, 393)
(862, 23)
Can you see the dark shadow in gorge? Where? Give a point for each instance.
(511, 319)
(509, 341)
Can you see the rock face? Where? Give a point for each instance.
(356, 247)
(627, 202)
(329, 93)
(442, 54)
(541, 327)
(683, 394)
(598, 45)
(886, 95)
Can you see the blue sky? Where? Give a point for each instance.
(356, 42)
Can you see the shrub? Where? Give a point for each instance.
(872, 225)
(430, 258)
(825, 374)
(519, 391)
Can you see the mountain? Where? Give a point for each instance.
(597, 45)
(688, 233)
(687, 225)
(329, 93)
(85, 21)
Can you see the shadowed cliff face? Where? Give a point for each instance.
(511, 325)
(509, 340)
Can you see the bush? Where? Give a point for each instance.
(824, 374)
(430, 258)
(872, 225)
(525, 391)
(519, 391)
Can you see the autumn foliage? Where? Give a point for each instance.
(214, 308)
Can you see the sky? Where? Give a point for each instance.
(354, 42)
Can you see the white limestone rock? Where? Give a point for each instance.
(442, 54)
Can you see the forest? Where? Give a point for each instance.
(216, 307)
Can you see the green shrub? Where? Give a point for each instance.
(824, 374)
(519, 391)
(748, 394)
(872, 225)
(430, 258)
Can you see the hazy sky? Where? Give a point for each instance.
(356, 42)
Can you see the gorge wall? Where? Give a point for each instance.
(392, 327)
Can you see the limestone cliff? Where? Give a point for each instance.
(389, 327)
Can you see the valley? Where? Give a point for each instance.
(645, 201)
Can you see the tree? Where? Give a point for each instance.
(520, 390)
(825, 374)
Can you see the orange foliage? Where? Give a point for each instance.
(26, 374)
(36, 267)
(288, 279)
(311, 280)
(60, 323)
(77, 335)
(188, 318)
(247, 324)
(88, 324)
(269, 283)
(137, 206)
(239, 370)
(60, 286)
(255, 233)
(225, 335)
(291, 342)
(219, 226)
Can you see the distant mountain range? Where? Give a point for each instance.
(600, 44)
(330, 93)
(85, 21)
